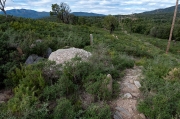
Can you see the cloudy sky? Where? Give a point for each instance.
(96, 6)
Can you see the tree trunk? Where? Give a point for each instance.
(4, 13)
(172, 27)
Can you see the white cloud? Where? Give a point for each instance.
(97, 6)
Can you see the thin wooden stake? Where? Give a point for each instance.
(172, 27)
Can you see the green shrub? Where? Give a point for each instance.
(29, 77)
(97, 85)
(97, 112)
(28, 83)
(163, 105)
(162, 95)
(64, 110)
(24, 97)
(36, 111)
(122, 62)
(173, 75)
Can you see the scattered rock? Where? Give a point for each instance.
(130, 110)
(135, 94)
(48, 52)
(33, 59)
(115, 117)
(136, 117)
(131, 81)
(62, 55)
(132, 87)
(142, 116)
(110, 80)
(138, 85)
(118, 115)
(123, 111)
(127, 95)
(2, 102)
(38, 41)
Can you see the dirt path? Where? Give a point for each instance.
(125, 107)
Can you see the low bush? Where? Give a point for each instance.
(97, 112)
(161, 93)
(64, 110)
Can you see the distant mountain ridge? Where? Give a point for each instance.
(86, 14)
(164, 10)
(34, 14)
(26, 13)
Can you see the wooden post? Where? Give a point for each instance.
(91, 39)
(172, 27)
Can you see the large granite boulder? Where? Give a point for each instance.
(62, 55)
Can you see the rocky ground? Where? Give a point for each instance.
(125, 107)
(5, 95)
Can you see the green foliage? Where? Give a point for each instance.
(161, 95)
(174, 74)
(28, 83)
(39, 85)
(108, 20)
(64, 109)
(8, 57)
(24, 98)
(27, 76)
(62, 12)
(97, 112)
(97, 85)
(122, 61)
(36, 111)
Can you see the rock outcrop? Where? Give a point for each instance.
(63, 55)
(33, 59)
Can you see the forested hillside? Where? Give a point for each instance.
(44, 90)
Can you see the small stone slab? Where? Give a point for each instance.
(124, 111)
(2, 102)
(127, 95)
(130, 86)
(118, 115)
(131, 81)
(135, 94)
(142, 116)
(115, 117)
(137, 84)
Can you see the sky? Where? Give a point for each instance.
(113, 7)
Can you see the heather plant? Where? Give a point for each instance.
(94, 111)
(64, 110)
(157, 103)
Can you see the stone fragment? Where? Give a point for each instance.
(110, 80)
(122, 110)
(135, 94)
(115, 117)
(127, 95)
(130, 86)
(118, 115)
(137, 84)
(131, 81)
(33, 59)
(142, 116)
(2, 102)
(48, 52)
